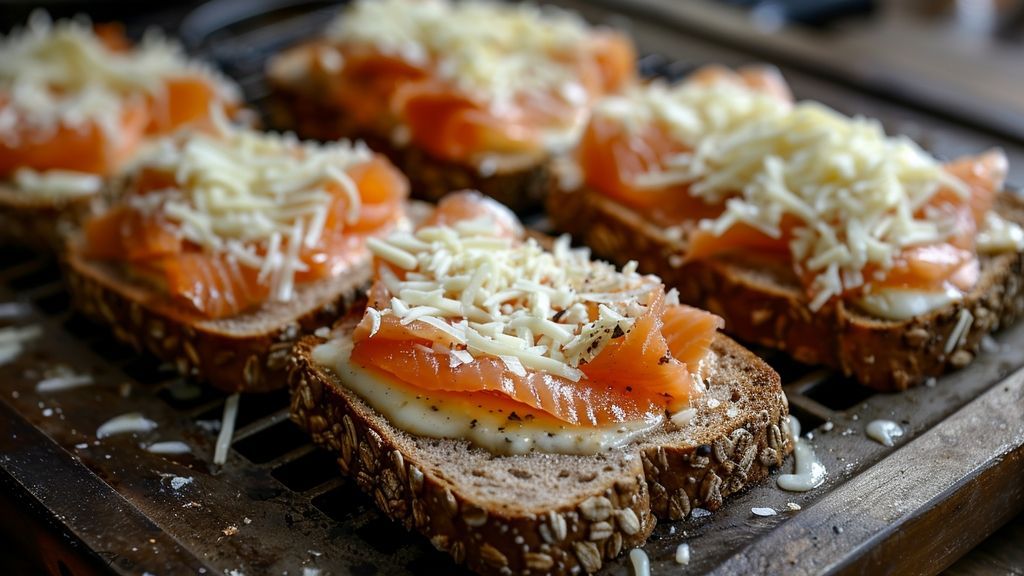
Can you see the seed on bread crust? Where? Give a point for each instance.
(588, 556)
(627, 521)
(596, 508)
(493, 556)
(474, 516)
(539, 561)
(617, 512)
(555, 530)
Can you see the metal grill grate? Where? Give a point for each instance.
(279, 505)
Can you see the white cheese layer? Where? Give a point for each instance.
(62, 75)
(853, 195)
(421, 415)
(504, 297)
(490, 49)
(903, 304)
(56, 184)
(496, 53)
(260, 198)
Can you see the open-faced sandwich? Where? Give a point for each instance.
(458, 93)
(808, 231)
(531, 410)
(76, 104)
(224, 246)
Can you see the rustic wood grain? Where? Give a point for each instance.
(917, 509)
(1001, 554)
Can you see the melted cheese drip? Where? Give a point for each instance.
(902, 303)
(883, 431)
(240, 189)
(61, 74)
(421, 415)
(809, 472)
(56, 183)
(510, 299)
(854, 193)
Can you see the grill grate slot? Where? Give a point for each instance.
(35, 277)
(306, 472)
(251, 408)
(344, 503)
(53, 301)
(272, 443)
(838, 393)
(180, 394)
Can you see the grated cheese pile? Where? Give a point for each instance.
(491, 50)
(61, 74)
(855, 194)
(258, 197)
(690, 112)
(508, 298)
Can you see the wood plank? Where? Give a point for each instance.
(1001, 554)
(917, 509)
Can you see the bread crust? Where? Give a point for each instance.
(298, 105)
(41, 224)
(762, 303)
(245, 353)
(675, 472)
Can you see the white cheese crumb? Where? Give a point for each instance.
(641, 563)
(131, 423)
(683, 554)
(169, 447)
(960, 330)
(227, 429)
(63, 382)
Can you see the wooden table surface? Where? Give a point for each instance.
(1002, 553)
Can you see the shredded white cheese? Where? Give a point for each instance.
(13, 340)
(493, 52)
(63, 382)
(56, 183)
(62, 75)
(855, 197)
(258, 198)
(131, 423)
(227, 429)
(491, 49)
(960, 330)
(998, 234)
(509, 298)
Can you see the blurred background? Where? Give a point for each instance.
(961, 59)
(948, 73)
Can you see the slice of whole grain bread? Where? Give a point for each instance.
(550, 513)
(247, 352)
(762, 302)
(39, 223)
(298, 103)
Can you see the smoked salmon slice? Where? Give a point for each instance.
(441, 108)
(213, 284)
(614, 158)
(91, 146)
(639, 374)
